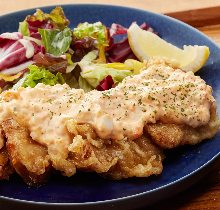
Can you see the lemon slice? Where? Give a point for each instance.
(146, 44)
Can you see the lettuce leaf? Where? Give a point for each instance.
(56, 19)
(70, 80)
(83, 84)
(81, 47)
(19, 83)
(96, 72)
(56, 42)
(41, 75)
(38, 15)
(71, 66)
(93, 30)
(23, 28)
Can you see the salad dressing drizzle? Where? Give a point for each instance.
(28, 46)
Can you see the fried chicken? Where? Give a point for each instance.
(87, 152)
(119, 133)
(29, 159)
(114, 159)
(6, 168)
(168, 136)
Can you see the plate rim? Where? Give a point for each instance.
(215, 158)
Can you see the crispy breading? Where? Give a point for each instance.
(6, 168)
(115, 159)
(137, 158)
(110, 138)
(29, 159)
(2, 138)
(165, 135)
(169, 136)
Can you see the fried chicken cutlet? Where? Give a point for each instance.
(114, 159)
(169, 136)
(87, 152)
(29, 159)
(116, 133)
(6, 168)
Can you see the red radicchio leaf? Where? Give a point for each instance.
(13, 50)
(56, 19)
(117, 29)
(34, 25)
(106, 84)
(121, 51)
(36, 35)
(18, 68)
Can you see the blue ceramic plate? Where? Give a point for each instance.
(182, 167)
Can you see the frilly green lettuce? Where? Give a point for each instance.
(41, 75)
(94, 30)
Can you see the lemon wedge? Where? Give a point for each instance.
(146, 44)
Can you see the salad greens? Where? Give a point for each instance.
(96, 72)
(41, 75)
(96, 31)
(87, 56)
(70, 80)
(135, 65)
(23, 28)
(15, 53)
(56, 19)
(83, 84)
(56, 42)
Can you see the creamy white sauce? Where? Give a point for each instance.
(157, 94)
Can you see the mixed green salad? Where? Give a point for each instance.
(46, 50)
